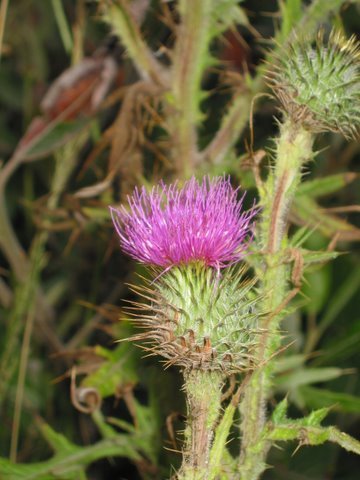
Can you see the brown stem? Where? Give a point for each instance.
(203, 396)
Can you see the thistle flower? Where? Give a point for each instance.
(319, 86)
(172, 226)
(197, 319)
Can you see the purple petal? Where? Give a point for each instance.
(198, 222)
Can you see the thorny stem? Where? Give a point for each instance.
(294, 148)
(203, 396)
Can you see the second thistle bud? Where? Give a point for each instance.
(319, 85)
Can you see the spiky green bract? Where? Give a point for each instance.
(201, 319)
(319, 85)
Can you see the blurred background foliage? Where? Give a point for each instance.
(74, 403)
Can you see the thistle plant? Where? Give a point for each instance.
(226, 290)
(203, 312)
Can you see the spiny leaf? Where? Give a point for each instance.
(315, 418)
(279, 414)
(313, 436)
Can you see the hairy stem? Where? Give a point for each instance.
(294, 148)
(203, 396)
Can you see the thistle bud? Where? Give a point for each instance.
(199, 318)
(201, 321)
(319, 85)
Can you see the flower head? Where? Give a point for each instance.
(170, 226)
(319, 85)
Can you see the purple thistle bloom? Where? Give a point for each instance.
(198, 222)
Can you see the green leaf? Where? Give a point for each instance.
(312, 436)
(118, 369)
(70, 465)
(318, 397)
(311, 257)
(53, 137)
(219, 446)
(279, 414)
(226, 14)
(306, 376)
(320, 187)
(58, 442)
(315, 418)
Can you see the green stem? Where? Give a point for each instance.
(294, 148)
(188, 66)
(203, 397)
